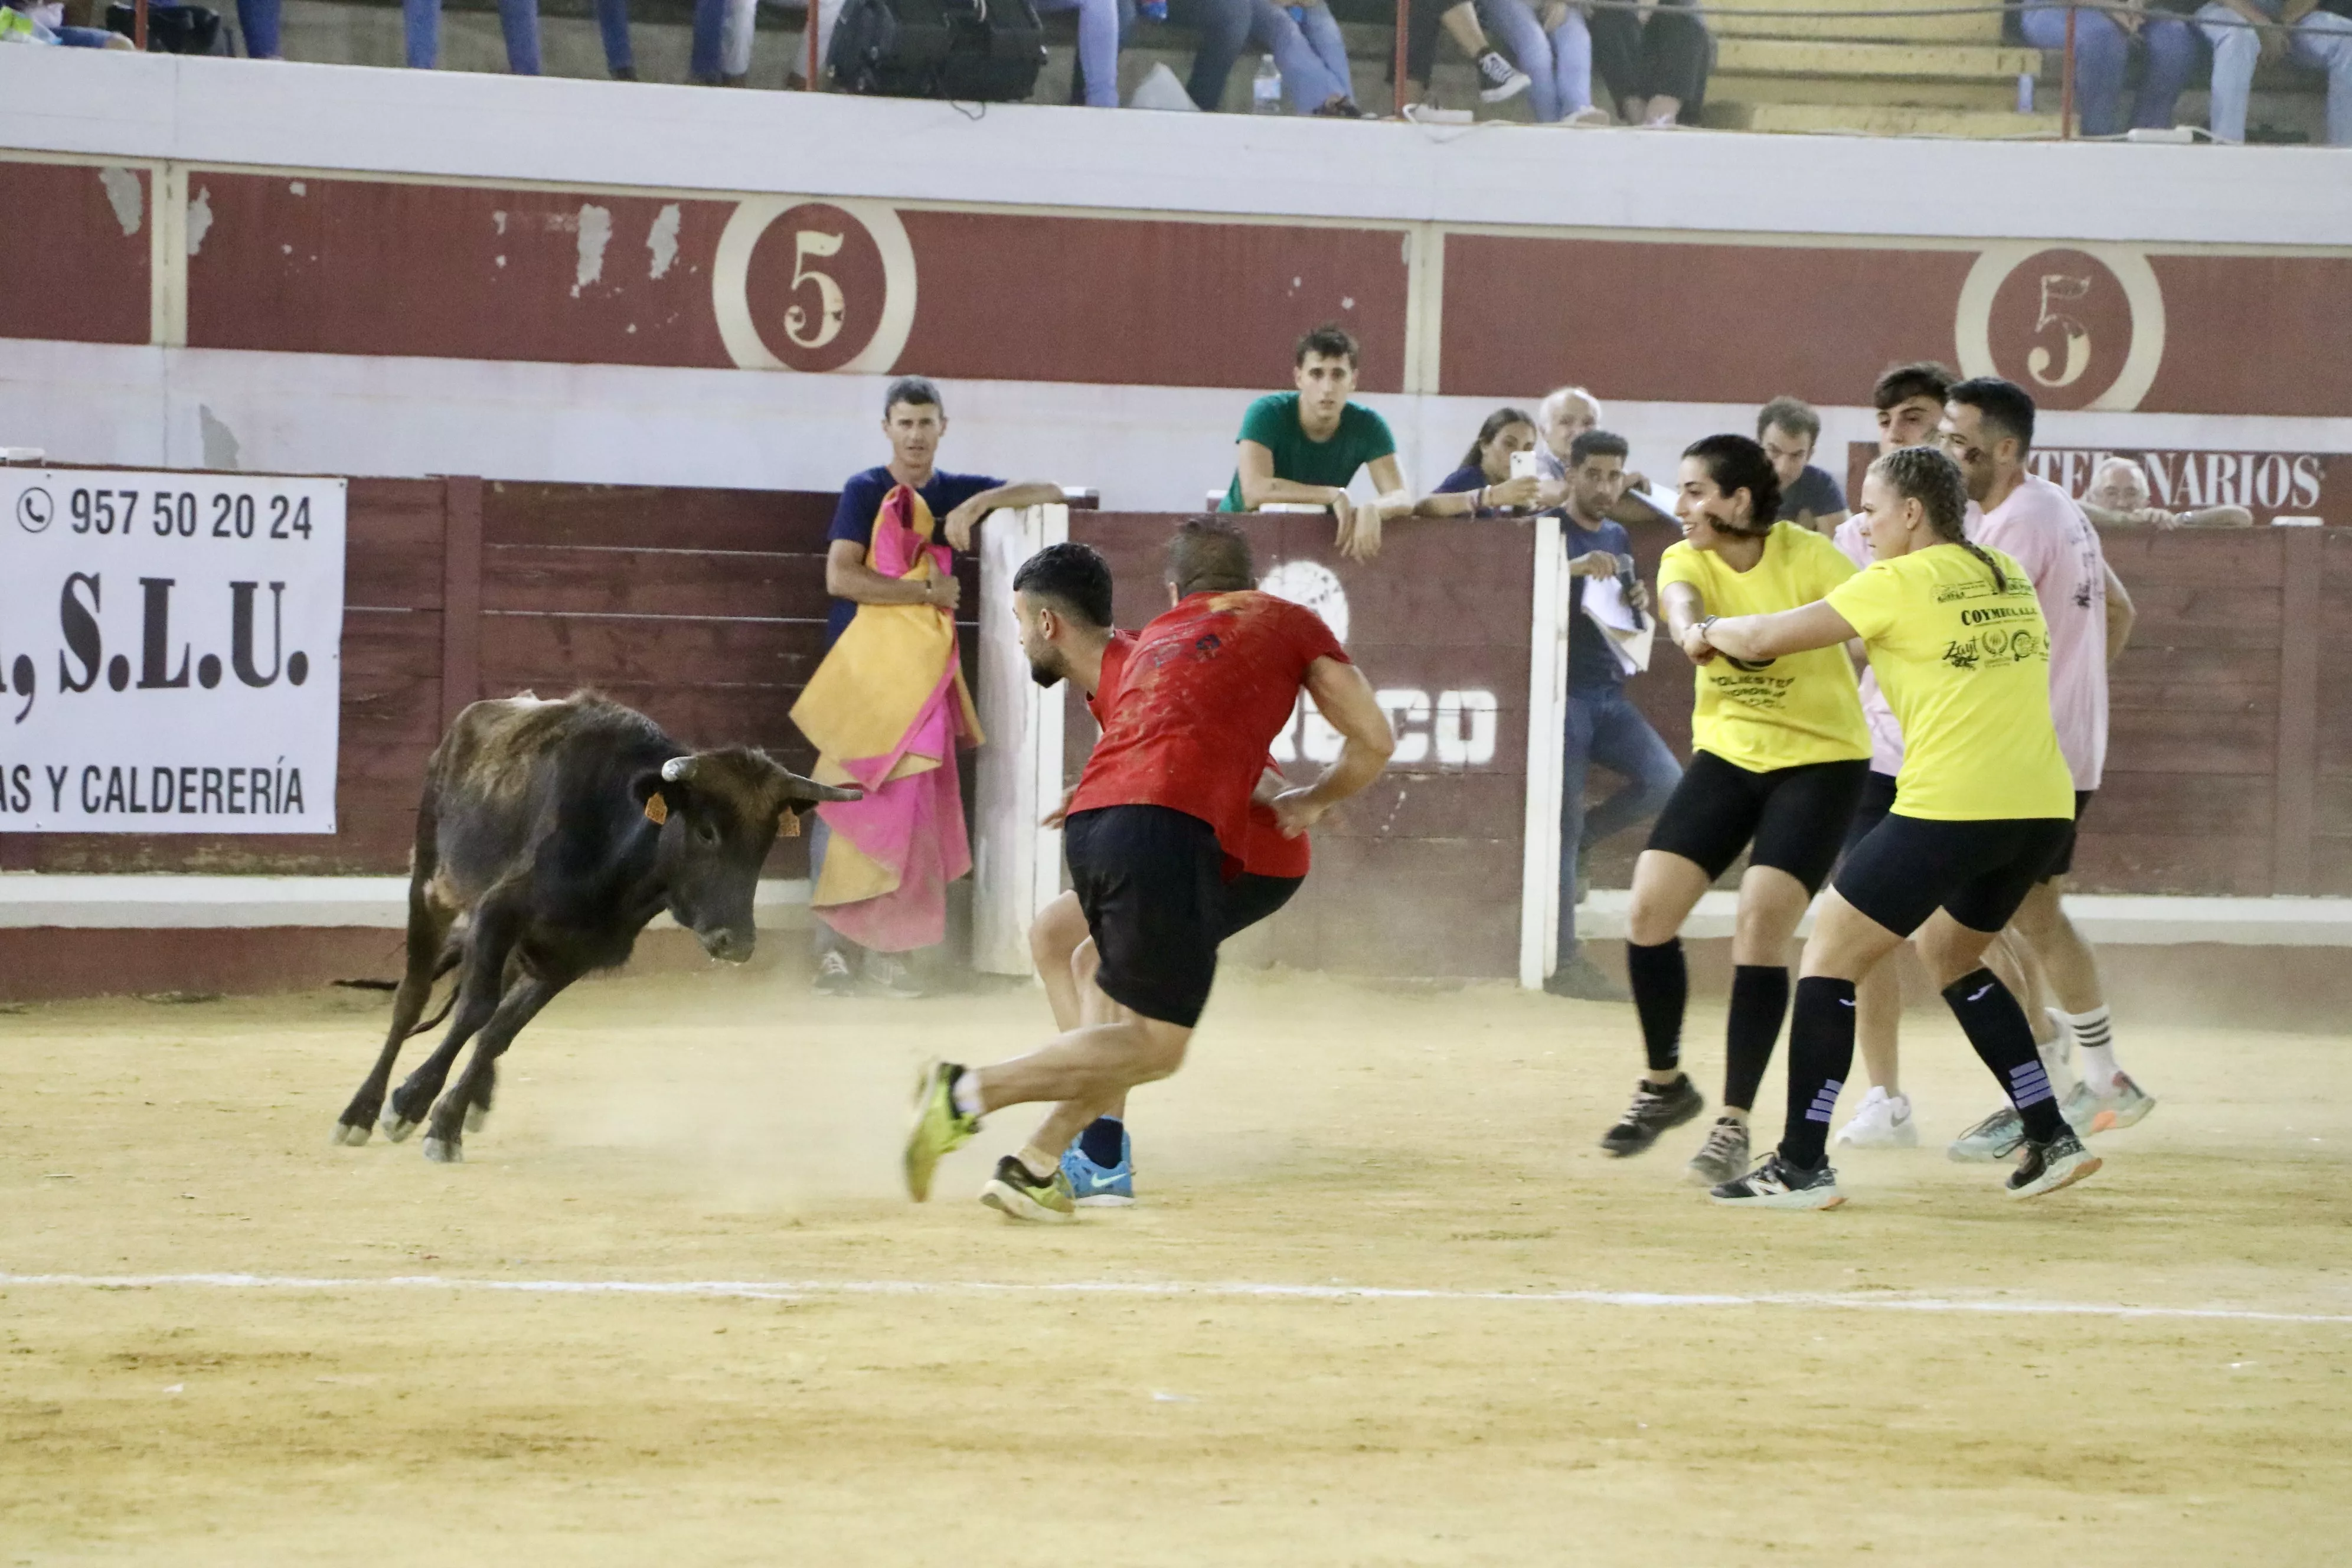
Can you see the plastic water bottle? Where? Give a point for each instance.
(2025, 92)
(1266, 88)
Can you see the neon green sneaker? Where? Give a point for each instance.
(940, 1128)
(1013, 1193)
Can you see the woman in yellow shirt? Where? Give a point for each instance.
(1779, 753)
(1982, 805)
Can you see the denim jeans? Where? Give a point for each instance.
(1604, 727)
(257, 20)
(1102, 29)
(1225, 26)
(1558, 64)
(518, 19)
(2322, 40)
(2102, 49)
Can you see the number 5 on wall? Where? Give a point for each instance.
(893, 315)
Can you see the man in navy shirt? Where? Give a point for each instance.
(1603, 725)
(914, 421)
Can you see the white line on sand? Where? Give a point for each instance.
(785, 1290)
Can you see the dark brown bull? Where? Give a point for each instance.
(555, 831)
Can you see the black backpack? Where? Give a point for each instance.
(975, 51)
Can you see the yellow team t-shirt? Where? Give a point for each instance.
(1798, 709)
(1966, 666)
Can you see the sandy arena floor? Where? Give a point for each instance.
(893, 1384)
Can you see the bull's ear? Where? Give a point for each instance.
(647, 788)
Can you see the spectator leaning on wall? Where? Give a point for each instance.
(1565, 414)
(1789, 430)
(2118, 497)
(1485, 484)
(914, 421)
(1306, 446)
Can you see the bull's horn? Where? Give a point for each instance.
(799, 788)
(677, 769)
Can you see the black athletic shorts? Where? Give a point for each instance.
(2063, 861)
(1796, 816)
(1977, 872)
(1877, 800)
(1151, 882)
(1250, 897)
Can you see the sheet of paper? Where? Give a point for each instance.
(1630, 633)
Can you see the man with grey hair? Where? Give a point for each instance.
(1565, 414)
(2118, 497)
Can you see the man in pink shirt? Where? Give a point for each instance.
(1910, 402)
(1987, 430)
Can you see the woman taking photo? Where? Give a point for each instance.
(1981, 805)
(1483, 485)
(1778, 750)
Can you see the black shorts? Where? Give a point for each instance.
(1151, 883)
(1796, 816)
(1877, 800)
(1250, 897)
(1977, 872)
(2063, 861)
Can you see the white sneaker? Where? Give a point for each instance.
(1885, 1122)
(2059, 1052)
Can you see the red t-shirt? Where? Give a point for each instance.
(1265, 851)
(1204, 692)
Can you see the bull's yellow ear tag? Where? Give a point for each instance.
(788, 823)
(656, 809)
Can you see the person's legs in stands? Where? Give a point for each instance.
(2236, 48)
(704, 56)
(1571, 63)
(735, 36)
(519, 20)
(1305, 79)
(1617, 58)
(2100, 49)
(1423, 18)
(1321, 31)
(1222, 27)
(421, 25)
(257, 20)
(2172, 51)
(1522, 35)
(1674, 60)
(2323, 40)
(1099, 36)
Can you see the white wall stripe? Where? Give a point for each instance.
(787, 1289)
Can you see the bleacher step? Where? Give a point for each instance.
(1878, 119)
(1905, 63)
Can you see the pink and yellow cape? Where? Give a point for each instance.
(886, 710)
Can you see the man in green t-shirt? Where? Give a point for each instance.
(1305, 447)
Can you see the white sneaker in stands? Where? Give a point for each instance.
(1885, 1122)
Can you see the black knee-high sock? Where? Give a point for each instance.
(1660, 991)
(1820, 1053)
(1760, 998)
(1996, 1026)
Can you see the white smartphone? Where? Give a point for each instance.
(1523, 465)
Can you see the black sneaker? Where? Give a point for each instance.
(2046, 1167)
(1013, 1193)
(1498, 79)
(1778, 1185)
(1653, 1111)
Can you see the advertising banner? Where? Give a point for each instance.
(169, 652)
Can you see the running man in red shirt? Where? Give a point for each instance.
(1156, 828)
(1063, 600)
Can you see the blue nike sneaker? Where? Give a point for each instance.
(1099, 1186)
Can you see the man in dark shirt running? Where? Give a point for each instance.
(1157, 824)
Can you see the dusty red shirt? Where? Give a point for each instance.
(1264, 852)
(1202, 694)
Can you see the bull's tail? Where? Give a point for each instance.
(451, 956)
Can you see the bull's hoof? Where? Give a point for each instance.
(347, 1136)
(443, 1152)
(395, 1126)
(475, 1116)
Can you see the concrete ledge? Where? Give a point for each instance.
(2107, 918)
(38, 901)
